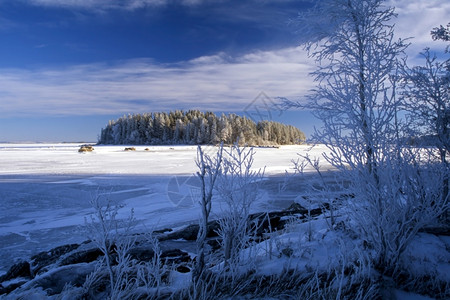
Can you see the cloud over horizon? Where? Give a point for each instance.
(221, 81)
(416, 19)
(132, 4)
(217, 82)
(105, 4)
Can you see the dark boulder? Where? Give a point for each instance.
(443, 230)
(295, 207)
(175, 256)
(43, 259)
(142, 253)
(9, 288)
(164, 230)
(170, 256)
(20, 269)
(183, 269)
(84, 256)
(53, 282)
(190, 232)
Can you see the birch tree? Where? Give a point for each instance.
(426, 90)
(209, 170)
(353, 44)
(356, 98)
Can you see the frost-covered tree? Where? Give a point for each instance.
(238, 187)
(354, 46)
(356, 99)
(442, 33)
(209, 168)
(195, 127)
(426, 90)
(224, 128)
(179, 129)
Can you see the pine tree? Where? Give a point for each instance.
(195, 127)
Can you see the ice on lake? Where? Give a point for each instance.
(45, 189)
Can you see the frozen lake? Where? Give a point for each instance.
(45, 189)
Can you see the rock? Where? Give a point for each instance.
(69, 264)
(183, 269)
(142, 253)
(9, 288)
(190, 232)
(164, 230)
(444, 230)
(86, 148)
(85, 256)
(46, 258)
(213, 228)
(53, 282)
(264, 226)
(214, 244)
(287, 251)
(260, 221)
(175, 256)
(170, 256)
(295, 207)
(20, 269)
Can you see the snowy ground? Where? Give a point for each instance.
(45, 189)
(45, 192)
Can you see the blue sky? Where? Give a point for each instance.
(68, 66)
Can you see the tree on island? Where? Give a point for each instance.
(196, 127)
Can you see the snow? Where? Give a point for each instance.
(45, 189)
(428, 254)
(64, 159)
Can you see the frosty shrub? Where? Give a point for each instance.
(405, 198)
(237, 186)
(209, 170)
(113, 237)
(397, 189)
(149, 275)
(321, 188)
(426, 93)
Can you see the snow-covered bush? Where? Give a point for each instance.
(113, 237)
(389, 212)
(149, 275)
(396, 189)
(209, 170)
(324, 191)
(426, 91)
(237, 186)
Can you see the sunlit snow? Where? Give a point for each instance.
(45, 189)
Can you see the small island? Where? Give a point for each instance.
(194, 127)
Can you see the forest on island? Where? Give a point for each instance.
(196, 127)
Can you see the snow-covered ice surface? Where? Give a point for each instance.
(45, 189)
(45, 192)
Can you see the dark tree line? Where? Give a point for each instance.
(196, 127)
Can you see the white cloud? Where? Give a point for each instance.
(215, 82)
(102, 5)
(416, 19)
(237, 7)
(98, 4)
